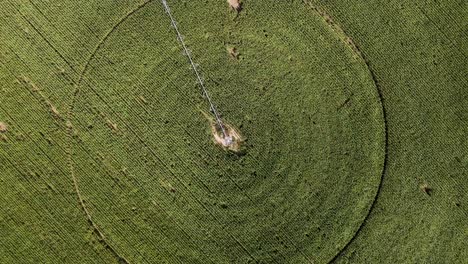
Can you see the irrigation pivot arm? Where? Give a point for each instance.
(194, 67)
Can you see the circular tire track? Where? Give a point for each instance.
(356, 50)
(340, 30)
(384, 166)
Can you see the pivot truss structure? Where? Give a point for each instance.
(197, 73)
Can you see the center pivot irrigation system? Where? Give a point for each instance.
(227, 139)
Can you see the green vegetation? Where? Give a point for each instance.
(355, 136)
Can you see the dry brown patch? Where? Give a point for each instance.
(34, 88)
(54, 110)
(3, 127)
(167, 186)
(142, 99)
(112, 125)
(329, 20)
(426, 189)
(232, 51)
(235, 5)
(232, 140)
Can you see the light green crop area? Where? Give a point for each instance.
(353, 116)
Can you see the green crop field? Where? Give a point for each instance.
(353, 118)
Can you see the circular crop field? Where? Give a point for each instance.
(158, 187)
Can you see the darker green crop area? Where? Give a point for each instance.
(310, 115)
(352, 117)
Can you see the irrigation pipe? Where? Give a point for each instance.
(197, 73)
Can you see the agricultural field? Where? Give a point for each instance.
(351, 121)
